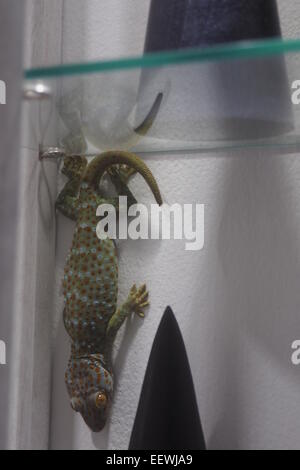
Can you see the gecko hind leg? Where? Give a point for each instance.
(136, 301)
(67, 201)
(124, 172)
(119, 179)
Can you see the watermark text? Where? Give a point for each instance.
(176, 222)
(2, 92)
(2, 353)
(296, 92)
(295, 358)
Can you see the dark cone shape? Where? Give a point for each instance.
(167, 416)
(176, 24)
(231, 100)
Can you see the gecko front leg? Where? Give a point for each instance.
(136, 301)
(67, 201)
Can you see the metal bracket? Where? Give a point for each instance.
(54, 153)
(51, 153)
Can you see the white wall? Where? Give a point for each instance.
(237, 301)
(11, 74)
(30, 362)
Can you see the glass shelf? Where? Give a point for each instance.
(229, 96)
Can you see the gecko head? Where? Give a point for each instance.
(91, 391)
(94, 409)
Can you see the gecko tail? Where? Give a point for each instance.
(101, 163)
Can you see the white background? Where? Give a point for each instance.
(237, 301)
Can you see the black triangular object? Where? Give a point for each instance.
(177, 24)
(167, 416)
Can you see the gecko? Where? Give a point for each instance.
(90, 283)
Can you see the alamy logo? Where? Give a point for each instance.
(2, 92)
(177, 222)
(295, 358)
(2, 353)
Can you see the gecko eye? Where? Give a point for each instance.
(101, 400)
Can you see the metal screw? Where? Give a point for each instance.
(51, 153)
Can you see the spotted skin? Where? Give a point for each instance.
(90, 285)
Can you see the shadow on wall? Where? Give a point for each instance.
(258, 246)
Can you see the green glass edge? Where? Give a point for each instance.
(239, 50)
